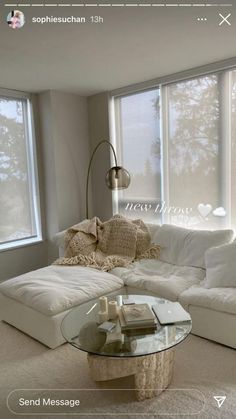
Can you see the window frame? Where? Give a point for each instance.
(32, 170)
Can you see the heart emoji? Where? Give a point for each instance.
(204, 209)
(219, 212)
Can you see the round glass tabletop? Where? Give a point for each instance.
(80, 329)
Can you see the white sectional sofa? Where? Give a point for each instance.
(37, 302)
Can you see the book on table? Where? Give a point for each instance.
(137, 316)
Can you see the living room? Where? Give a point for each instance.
(125, 109)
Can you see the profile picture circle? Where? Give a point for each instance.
(16, 19)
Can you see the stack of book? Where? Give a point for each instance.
(137, 317)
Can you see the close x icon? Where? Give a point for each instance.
(225, 19)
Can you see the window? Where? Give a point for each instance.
(138, 149)
(181, 173)
(194, 145)
(19, 206)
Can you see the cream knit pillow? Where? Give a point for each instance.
(117, 236)
(143, 237)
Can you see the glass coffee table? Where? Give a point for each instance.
(148, 355)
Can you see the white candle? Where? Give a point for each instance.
(102, 316)
(112, 310)
(103, 304)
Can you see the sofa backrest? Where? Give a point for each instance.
(185, 247)
(153, 229)
(179, 246)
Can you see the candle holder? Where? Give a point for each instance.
(112, 310)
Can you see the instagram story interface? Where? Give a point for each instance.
(118, 208)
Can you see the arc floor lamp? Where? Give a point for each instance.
(116, 178)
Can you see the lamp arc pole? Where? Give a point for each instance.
(90, 164)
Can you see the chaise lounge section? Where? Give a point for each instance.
(37, 302)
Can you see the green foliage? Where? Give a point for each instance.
(12, 149)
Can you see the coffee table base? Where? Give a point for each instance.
(152, 373)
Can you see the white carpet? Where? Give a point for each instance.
(207, 368)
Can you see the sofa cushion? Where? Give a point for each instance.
(218, 299)
(186, 247)
(54, 289)
(165, 280)
(221, 266)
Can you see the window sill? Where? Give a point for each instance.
(20, 243)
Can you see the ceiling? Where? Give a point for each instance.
(133, 44)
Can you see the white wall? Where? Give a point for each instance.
(72, 153)
(99, 130)
(65, 141)
(15, 262)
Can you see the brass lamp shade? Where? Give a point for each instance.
(117, 178)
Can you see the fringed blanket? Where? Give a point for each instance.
(116, 242)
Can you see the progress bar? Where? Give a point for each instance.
(115, 5)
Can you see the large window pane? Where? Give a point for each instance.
(17, 184)
(194, 186)
(194, 153)
(138, 145)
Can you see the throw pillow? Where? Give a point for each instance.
(117, 236)
(143, 237)
(185, 247)
(221, 266)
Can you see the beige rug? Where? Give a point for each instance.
(203, 369)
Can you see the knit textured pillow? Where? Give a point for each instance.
(117, 236)
(143, 237)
